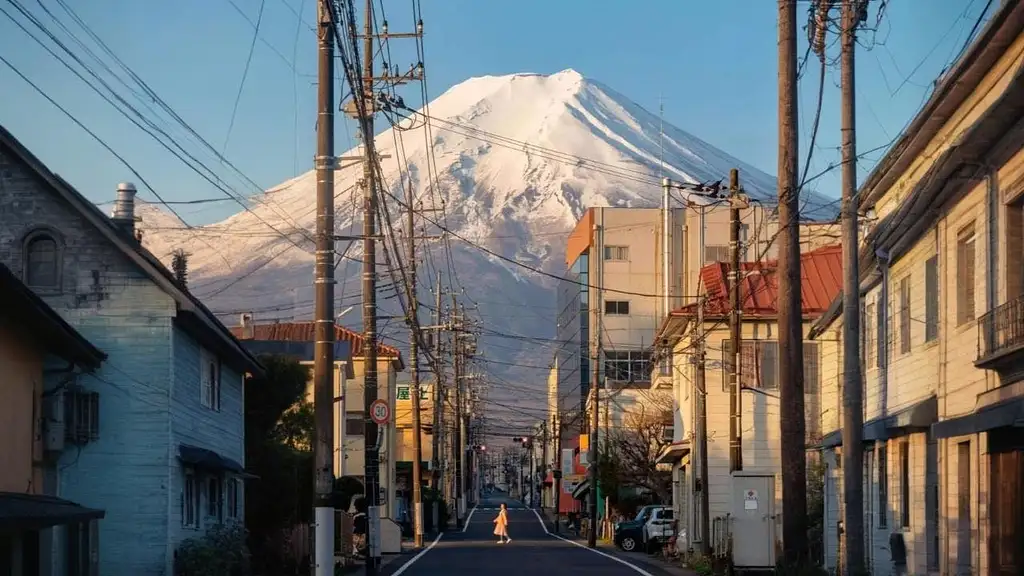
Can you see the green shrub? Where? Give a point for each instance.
(219, 552)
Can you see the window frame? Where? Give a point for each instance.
(615, 253)
(190, 505)
(231, 492)
(931, 298)
(616, 307)
(215, 498)
(904, 467)
(209, 387)
(966, 273)
(37, 235)
(882, 458)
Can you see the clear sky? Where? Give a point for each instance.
(712, 61)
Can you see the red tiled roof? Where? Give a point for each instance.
(303, 332)
(821, 273)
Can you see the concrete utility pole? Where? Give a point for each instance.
(323, 364)
(556, 474)
(791, 345)
(736, 203)
(458, 438)
(853, 415)
(596, 380)
(438, 391)
(414, 364)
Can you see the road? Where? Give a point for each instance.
(532, 552)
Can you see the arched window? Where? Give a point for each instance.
(42, 262)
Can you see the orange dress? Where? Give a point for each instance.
(501, 524)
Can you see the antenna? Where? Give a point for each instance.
(661, 133)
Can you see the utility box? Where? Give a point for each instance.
(753, 520)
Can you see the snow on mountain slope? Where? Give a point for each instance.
(517, 160)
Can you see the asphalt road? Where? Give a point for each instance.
(532, 552)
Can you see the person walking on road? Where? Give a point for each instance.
(501, 526)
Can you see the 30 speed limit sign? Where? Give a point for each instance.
(379, 411)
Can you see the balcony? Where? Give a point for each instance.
(1001, 339)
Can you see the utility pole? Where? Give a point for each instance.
(853, 415)
(595, 383)
(700, 384)
(414, 328)
(736, 203)
(791, 376)
(458, 447)
(323, 365)
(543, 453)
(438, 390)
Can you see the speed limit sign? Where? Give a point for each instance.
(379, 411)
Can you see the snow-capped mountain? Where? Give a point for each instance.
(516, 159)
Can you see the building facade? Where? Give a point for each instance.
(158, 429)
(759, 431)
(942, 348)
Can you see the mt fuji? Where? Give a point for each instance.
(513, 161)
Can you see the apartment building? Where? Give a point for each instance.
(943, 329)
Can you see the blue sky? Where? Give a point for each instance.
(713, 63)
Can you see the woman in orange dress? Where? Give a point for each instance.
(501, 526)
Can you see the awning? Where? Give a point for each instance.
(1008, 413)
(581, 490)
(917, 417)
(30, 512)
(673, 452)
(209, 460)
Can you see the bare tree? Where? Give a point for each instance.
(634, 446)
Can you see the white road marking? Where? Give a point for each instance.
(635, 568)
(405, 566)
(468, 518)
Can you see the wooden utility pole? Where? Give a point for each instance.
(595, 383)
(853, 415)
(736, 203)
(701, 397)
(414, 364)
(323, 364)
(791, 376)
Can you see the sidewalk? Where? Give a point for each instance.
(655, 563)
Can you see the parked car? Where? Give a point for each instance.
(652, 523)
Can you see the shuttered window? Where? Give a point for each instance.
(931, 299)
(905, 315)
(965, 259)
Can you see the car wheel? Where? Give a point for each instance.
(628, 544)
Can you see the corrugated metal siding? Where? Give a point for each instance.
(303, 332)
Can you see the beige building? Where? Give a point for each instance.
(759, 395)
(943, 328)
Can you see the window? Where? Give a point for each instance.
(869, 336)
(883, 485)
(883, 333)
(759, 364)
(190, 500)
(931, 299)
(210, 375)
(717, 254)
(904, 484)
(81, 416)
(355, 424)
(812, 396)
(965, 252)
(905, 315)
(616, 307)
(42, 263)
(627, 365)
(620, 253)
(665, 365)
(214, 502)
(232, 489)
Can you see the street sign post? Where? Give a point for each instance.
(380, 412)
